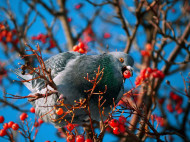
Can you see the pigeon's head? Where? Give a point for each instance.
(125, 61)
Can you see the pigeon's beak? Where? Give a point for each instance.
(129, 68)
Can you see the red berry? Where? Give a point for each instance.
(137, 82)
(4, 33)
(148, 46)
(179, 110)
(69, 19)
(169, 107)
(15, 126)
(162, 122)
(3, 132)
(32, 110)
(122, 120)
(155, 75)
(78, 6)
(40, 121)
(1, 119)
(173, 96)
(107, 35)
(161, 100)
(173, 10)
(116, 130)
(81, 45)
(127, 74)
(178, 106)
(88, 140)
(121, 128)
(114, 123)
(108, 129)
(143, 71)
(38, 37)
(23, 116)
(52, 43)
(80, 138)
(179, 100)
(5, 126)
(70, 138)
(160, 74)
(76, 48)
(36, 124)
(145, 53)
(82, 51)
(70, 127)
(47, 141)
(10, 124)
(149, 70)
(2, 27)
(59, 111)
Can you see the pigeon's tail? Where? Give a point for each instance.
(24, 78)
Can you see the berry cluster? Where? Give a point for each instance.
(8, 36)
(118, 126)
(72, 137)
(7, 126)
(88, 34)
(148, 72)
(79, 138)
(45, 39)
(175, 101)
(147, 51)
(160, 120)
(80, 47)
(14, 126)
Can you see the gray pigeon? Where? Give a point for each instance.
(68, 72)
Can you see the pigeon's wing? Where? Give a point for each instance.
(57, 64)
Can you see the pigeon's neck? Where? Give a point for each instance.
(111, 73)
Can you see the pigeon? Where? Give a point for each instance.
(68, 71)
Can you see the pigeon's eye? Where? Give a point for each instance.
(121, 60)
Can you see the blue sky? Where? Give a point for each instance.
(47, 131)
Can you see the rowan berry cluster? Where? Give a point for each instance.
(147, 73)
(71, 137)
(80, 47)
(45, 39)
(9, 126)
(78, 138)
(118, 126)
(175, 103)
(147, 51)
(160, 120)
(8, 36)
